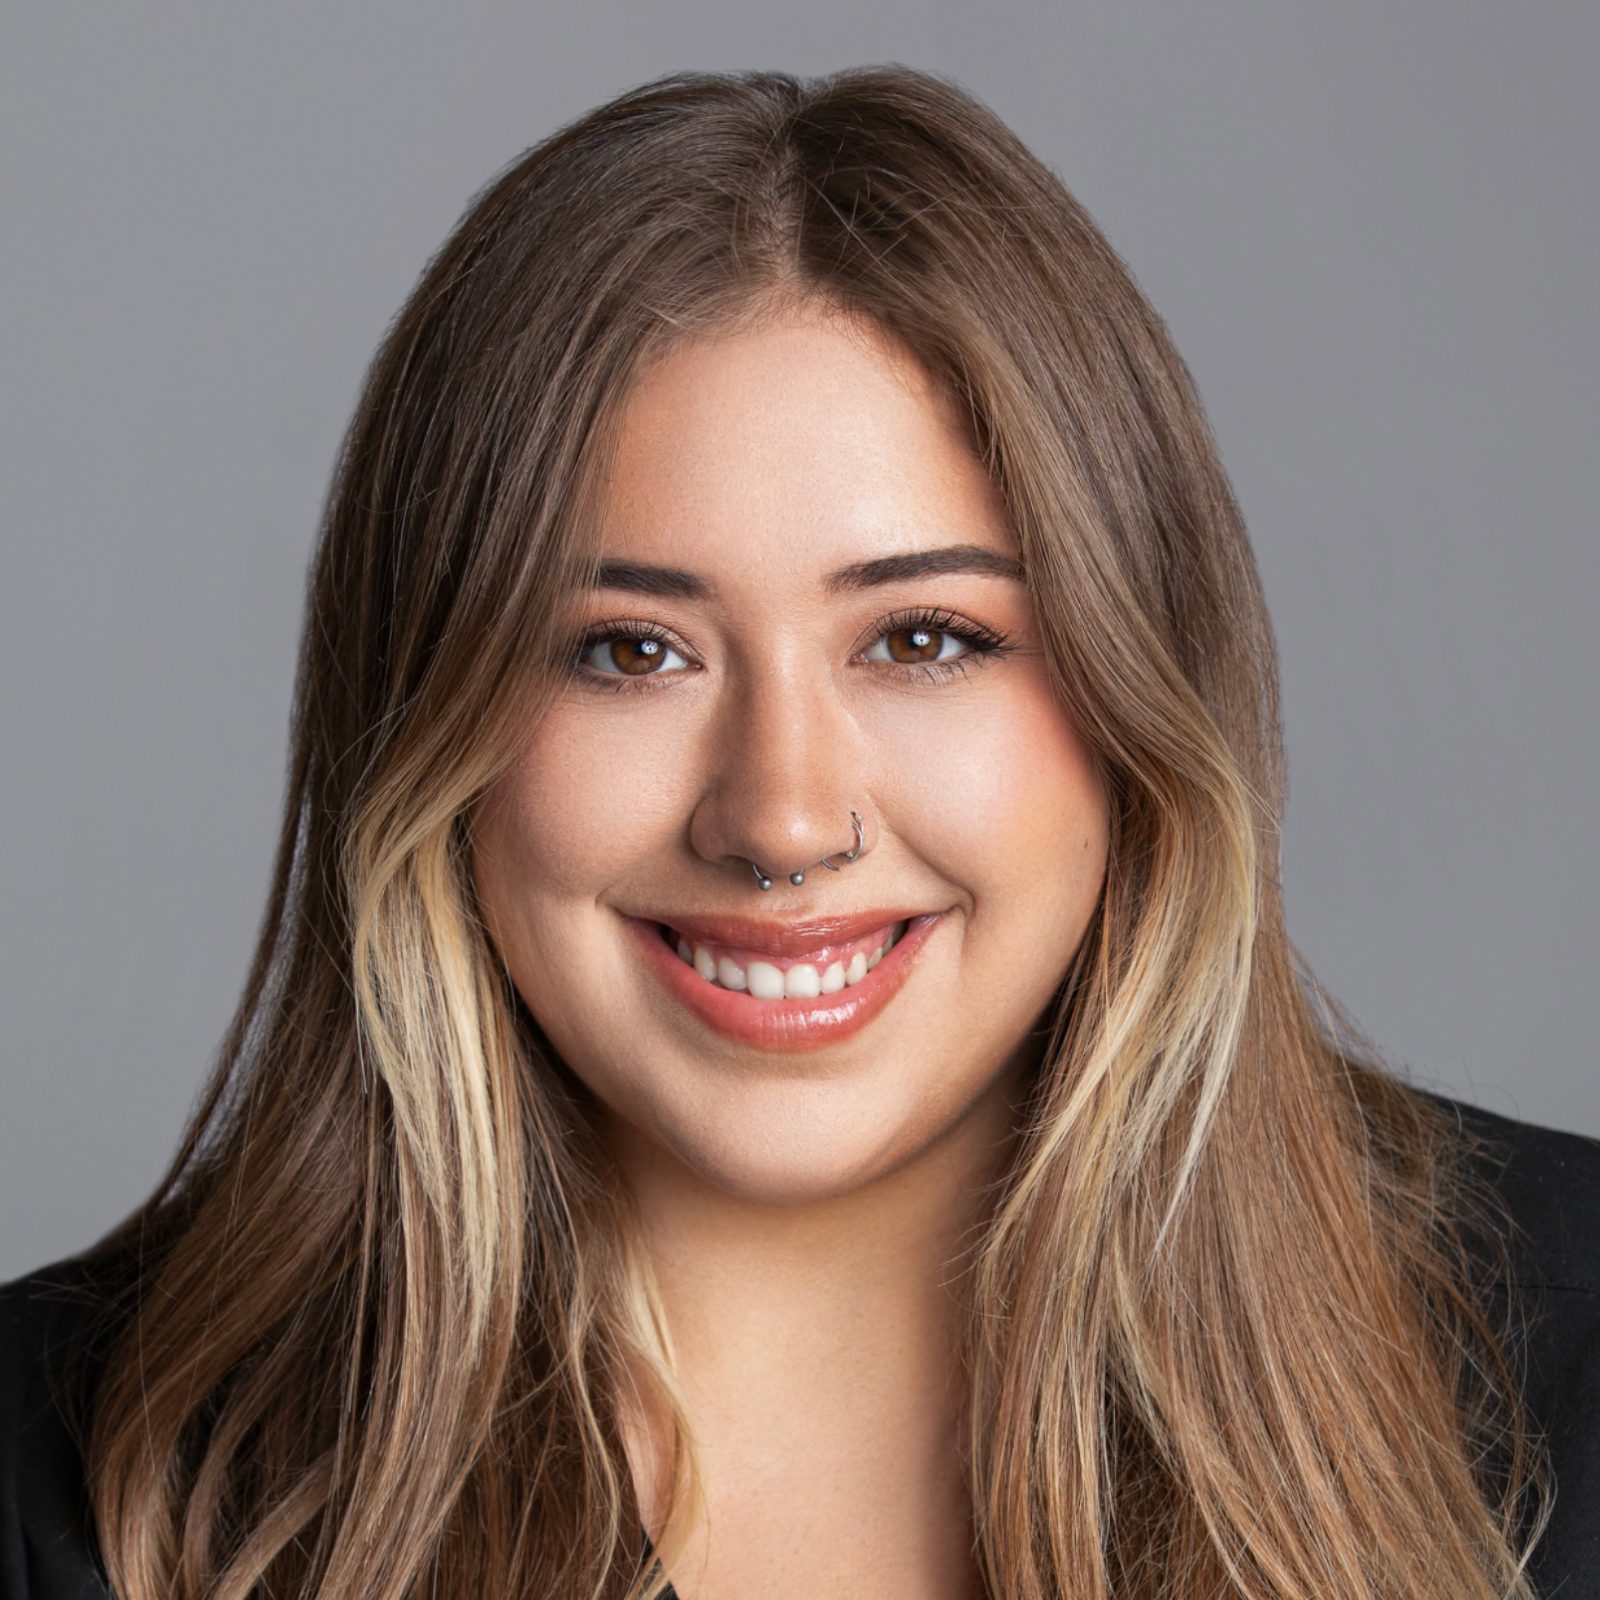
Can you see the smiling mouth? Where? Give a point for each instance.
(785, 986)
(828, 969)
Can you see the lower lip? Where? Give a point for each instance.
(784, 1024)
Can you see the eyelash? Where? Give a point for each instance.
(625, 629)
(983, 645)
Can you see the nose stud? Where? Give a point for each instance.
(857, 827)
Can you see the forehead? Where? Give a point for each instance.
(804, 440)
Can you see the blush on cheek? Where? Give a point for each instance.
(583, 800)
(1000, 789)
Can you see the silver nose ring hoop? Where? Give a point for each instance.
(845, 857)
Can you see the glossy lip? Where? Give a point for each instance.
(788, 941)
(783, 1024)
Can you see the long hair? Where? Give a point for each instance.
(1224, 1340)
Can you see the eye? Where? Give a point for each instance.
(933, 644)
(918, 646)
(630, 655)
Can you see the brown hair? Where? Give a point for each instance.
(1224, 1341)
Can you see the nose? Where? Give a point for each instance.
(783, 783)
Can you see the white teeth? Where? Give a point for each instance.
(801, 982)
(766, 981)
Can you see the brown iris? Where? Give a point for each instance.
(636, 657)
(911, 645)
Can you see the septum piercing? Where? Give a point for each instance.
(846, 857)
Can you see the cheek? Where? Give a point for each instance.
(1003, 795)
(583, 803)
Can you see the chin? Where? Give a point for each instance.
(796, 1144)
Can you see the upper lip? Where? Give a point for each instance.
(788, 938)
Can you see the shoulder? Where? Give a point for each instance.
(51, 1323)
(1547, 1186)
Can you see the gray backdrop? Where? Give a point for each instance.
(1370, 223)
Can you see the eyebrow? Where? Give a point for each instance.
(926, 564)
(641, 577)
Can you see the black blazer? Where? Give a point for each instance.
(1549, 1182)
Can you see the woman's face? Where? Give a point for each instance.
(810, 605)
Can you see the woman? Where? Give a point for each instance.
(773, 1062)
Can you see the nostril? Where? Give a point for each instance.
(834, 862)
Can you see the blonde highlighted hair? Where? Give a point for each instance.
(1225, 1335)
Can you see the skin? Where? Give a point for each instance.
(803, 1208)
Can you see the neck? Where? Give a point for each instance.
(818, 1345)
